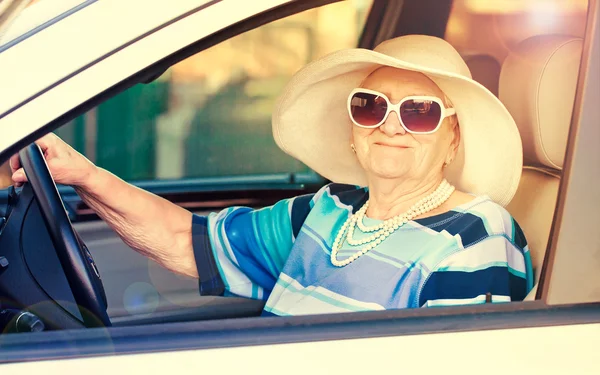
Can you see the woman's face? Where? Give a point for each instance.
(389, 151)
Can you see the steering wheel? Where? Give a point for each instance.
(74, 256)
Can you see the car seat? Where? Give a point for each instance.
(537, 84)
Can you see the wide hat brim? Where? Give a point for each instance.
(311, 123)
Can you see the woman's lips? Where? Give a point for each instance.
(390, 145)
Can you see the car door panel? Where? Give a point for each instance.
(139, 291)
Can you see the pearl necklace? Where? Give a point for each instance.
(387, 227)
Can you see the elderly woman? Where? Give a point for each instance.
(422, 157)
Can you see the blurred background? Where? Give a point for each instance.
(210, 114)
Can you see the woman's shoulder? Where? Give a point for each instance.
(484, 206)
(496, 219)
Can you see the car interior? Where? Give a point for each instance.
(532, 70)
(537, 85)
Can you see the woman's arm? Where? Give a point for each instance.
(149, 224)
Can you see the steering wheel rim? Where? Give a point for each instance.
(69, 248)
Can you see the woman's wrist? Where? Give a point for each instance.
(92, 183)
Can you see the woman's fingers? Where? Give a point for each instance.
(64, 163)
(14, 163)
(19, 177)
(46, 142)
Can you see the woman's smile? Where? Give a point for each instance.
(387, 144)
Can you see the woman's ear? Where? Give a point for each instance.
(455, 139)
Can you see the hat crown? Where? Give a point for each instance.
(425, 51)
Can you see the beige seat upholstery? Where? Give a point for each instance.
(537, 85)
(484, 69)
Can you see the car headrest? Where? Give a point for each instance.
(537, 86)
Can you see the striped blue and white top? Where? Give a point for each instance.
(281, 254)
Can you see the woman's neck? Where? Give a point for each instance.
(389, 198)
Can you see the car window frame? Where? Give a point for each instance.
(571, 228)
(44, 25)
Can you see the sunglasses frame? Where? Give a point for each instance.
(445, 112)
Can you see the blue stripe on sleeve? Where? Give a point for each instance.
(246, 247)
(259, 242)
(273, 226)
(263, 250)
(518, 236)
(464, 285)
(210, 281)
(300, 209)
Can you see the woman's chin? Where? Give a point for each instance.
(392, 172)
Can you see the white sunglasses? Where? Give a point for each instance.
(417, 114)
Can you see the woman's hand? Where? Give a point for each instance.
(67, 166)
(149, 224)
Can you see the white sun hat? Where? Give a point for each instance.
(311, 122)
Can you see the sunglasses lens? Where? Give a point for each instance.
(367, 109)
(420, 116)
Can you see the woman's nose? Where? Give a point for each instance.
(392, 125)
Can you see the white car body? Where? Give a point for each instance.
(46, 74)
(542, 350)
